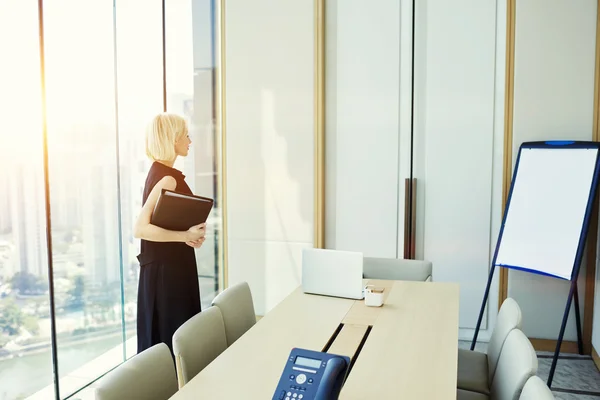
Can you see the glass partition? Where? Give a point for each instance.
(191, 82)
(25, 356)
(140, 97)
(104, 80)
(86, 247)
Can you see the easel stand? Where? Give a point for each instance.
(573, 294)
(546, 220)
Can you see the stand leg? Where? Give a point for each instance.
(562, 331)
(578, 321)
(485, 297)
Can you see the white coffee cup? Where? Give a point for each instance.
(373, 296)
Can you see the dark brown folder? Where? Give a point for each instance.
(179, 211)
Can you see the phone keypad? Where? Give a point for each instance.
(294, 396)
(295, 393)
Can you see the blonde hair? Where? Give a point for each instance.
(162, 133)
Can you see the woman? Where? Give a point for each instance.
(168, 293)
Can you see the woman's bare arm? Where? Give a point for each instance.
(143, 229)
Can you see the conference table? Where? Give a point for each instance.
(405, 349)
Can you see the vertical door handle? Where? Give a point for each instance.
(410, 218)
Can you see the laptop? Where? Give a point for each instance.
(332, 273)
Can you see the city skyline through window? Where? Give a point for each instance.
(103, 83)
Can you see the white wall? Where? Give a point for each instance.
(455, 77)
(553, 99)
(362, 125)
(270, 130)
(459, 114)
(458, 124)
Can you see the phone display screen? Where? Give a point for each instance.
(308, 362)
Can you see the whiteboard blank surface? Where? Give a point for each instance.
(547, 208)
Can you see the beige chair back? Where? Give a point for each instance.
(517, 363)
(237, 309)
(149, 375)
(197, 343)
(536, 389)
(509, 318)
(397, 269)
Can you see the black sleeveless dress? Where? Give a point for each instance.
(168, 292)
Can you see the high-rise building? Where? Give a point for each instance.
(126, 204)
(99, 204)
(5, 215)
(64, 198)
(28, 219)
(7, 262)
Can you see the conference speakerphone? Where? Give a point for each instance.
(312, 375)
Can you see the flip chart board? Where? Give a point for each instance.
(548, 206)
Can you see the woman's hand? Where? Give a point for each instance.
(144, 229)
(196, 243)
(196, 233)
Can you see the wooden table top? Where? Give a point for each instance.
(410, 351)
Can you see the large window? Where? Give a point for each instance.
(140, 95)
(24, 301)
(105, 78)
(191, 85)
(80, 100)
